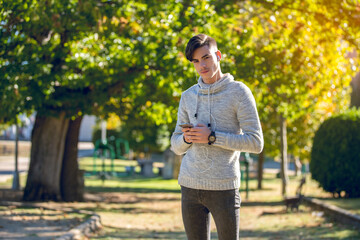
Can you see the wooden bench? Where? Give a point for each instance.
(293, 203)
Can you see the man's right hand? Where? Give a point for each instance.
(198, 134)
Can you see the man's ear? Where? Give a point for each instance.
(218, 55)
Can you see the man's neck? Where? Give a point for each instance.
(214, 79)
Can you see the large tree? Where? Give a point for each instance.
(64, 59)
(37, 45)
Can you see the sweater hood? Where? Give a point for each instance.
(216, 86)
(209, 90)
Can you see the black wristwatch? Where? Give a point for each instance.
(212, 138)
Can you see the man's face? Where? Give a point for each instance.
(206, 63)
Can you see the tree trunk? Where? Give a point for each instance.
(71, 181)
(47, 149)
(260, 169)
(355, 94)
(284, 160)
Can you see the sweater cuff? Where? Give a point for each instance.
(220, 139)
(179, 146)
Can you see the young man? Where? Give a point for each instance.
(225, 123)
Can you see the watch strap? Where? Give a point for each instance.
(186, 141)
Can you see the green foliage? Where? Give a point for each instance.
(335, 154)
(126, 57)
(290, 56)
(97, 57)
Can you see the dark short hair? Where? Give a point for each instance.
(196, 42)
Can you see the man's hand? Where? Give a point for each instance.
(198, 134)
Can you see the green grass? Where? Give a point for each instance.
(135, 184)
(122, 182)
(8, 183)
(272, 222)
(90, 164)
(352, 205)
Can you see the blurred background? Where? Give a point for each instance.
(103, 79)
(89, 92)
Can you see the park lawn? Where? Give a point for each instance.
(352, 205)
(135, 184)
(133, 207)
(274, 222)
(310, 189)
(8, 183)
(141, 208)
(271, 186)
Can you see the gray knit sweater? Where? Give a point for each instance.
(230, 108)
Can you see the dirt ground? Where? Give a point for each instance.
(134, 215)
(34, 223)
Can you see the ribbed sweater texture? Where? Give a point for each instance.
(230, 109)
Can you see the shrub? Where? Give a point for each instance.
(335, 155)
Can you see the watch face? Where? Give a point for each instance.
(212, 138)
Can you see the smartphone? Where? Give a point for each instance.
(186, 125)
